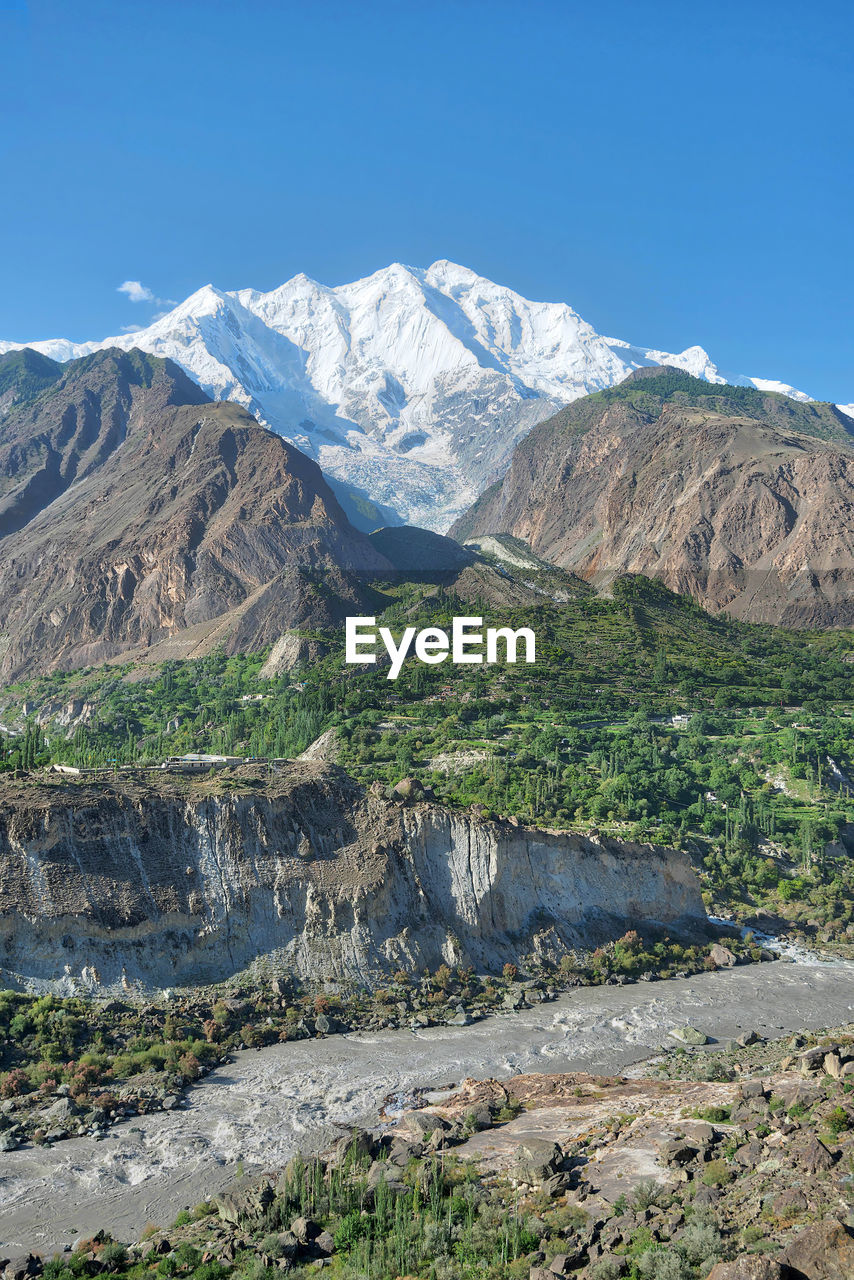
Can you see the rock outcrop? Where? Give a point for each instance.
(171, 882)
(742, 499)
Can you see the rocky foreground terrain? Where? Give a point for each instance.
(739, 498)
(735, 1165)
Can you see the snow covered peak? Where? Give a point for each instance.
(449, 275)
(410, 386)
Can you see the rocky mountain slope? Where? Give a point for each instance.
(410, 387)
(167, 883)
(743, 499)
(134, 510)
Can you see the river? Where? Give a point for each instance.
(268, 1103)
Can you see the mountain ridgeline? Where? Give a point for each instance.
(743, 499)
(135, 511)
(140, 519)
(409, 387)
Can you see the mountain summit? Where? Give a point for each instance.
(410, 388)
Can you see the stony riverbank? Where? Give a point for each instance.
(269, 1103)
(550, 1176)
(75, 1068)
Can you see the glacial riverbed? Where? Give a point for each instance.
(268, 1103)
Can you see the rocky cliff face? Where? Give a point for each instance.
(166, 884)
(136, 512)
(743, 499)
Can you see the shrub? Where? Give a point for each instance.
(55, 1269)
(189, 1066)
(13, 1084)
(838, 1120)
(212, 1270)
(717, 1174)
(352, 1228)
(646, 1193)
(715, 1115)
(113, 1256)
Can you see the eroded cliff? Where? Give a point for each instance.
(171, 881)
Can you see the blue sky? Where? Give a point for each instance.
(679, 173)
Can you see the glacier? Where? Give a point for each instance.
(410, 387)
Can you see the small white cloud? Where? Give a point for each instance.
(136, 291)
(132, 328)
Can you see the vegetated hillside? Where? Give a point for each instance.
(135, 510)
(743, 499)
(756, 784)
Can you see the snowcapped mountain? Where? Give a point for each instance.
(410, 387)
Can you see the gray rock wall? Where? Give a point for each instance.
(324, 880)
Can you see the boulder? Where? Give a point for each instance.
(23, 1266)
(247, 1201)
(789, 1203)
(701, 1132)
(747, 1038)
(679, 1152)
(408, 789)
(358, 1145)
(749, 1110)
(689, 1035)
(722, 956)
(563, 1263)
(305, 1229)
(749, 1155)
(419, 1123)
(612, 1264)
(815, 1157)
(403, 1150)
(383, 1171)
(288, 1245)
(750, 1266)
(557, 1184)
(59, 1113)
(324, 1243)
(538, 1159)
(824, 1251)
